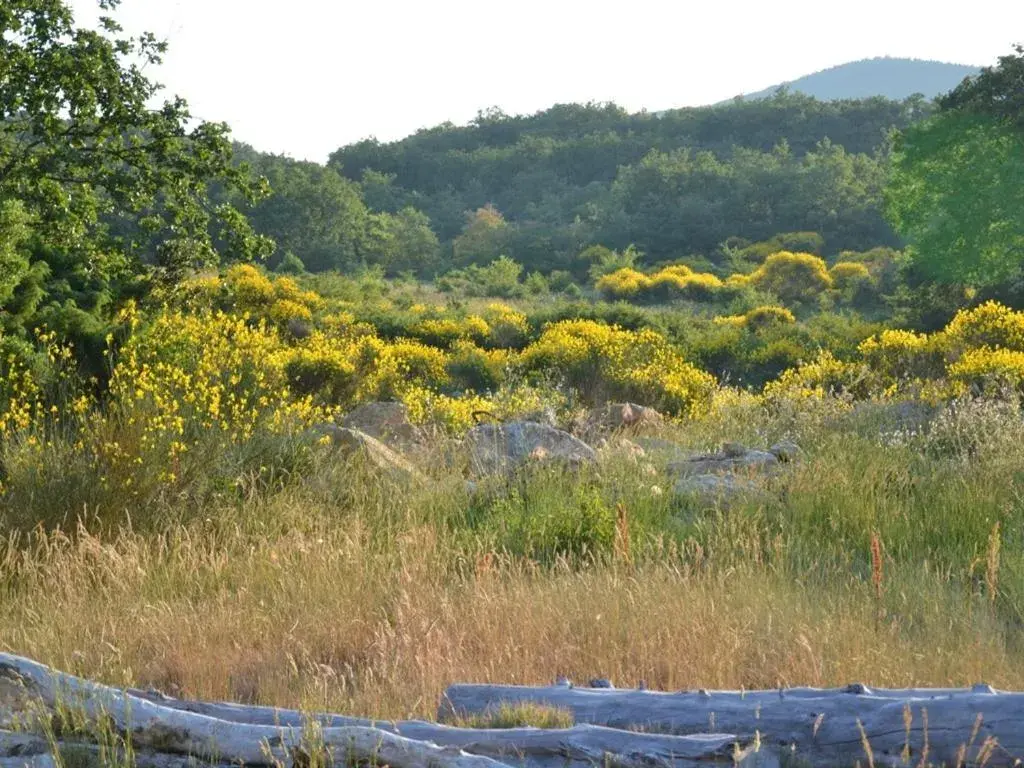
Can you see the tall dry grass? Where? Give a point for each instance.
(892, 559)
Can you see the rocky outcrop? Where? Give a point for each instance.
(615, 417)
(387, 422)
(351, 442)
(494, 448)
(733, 470)
(732, 459)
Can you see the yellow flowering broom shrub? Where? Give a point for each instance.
(766, 316)
(821, 377)
(187, 378)
(603, 362)
(987, 370)
(445, 331)
(389, 369)
(849, 274)
(626, 283)
(989, 325)
(473, 368)
(509, 328)
(899, 355)
(793, 277)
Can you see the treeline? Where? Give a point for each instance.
(541, 188)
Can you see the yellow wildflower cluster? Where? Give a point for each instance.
(758, 318)
(987, 370)
(189, 378)
(606, 362)
(22, 398)
(903, 355)
(453, 414)
(818, 378)
(247, 289)
(445, 331)
(849, 274)
(988, 325)
(508, 327)
(672, 282)
(981, 349)
(793, 277)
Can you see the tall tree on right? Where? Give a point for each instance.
(957, 187)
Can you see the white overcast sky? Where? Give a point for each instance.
(303, 77)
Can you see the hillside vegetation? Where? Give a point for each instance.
(188, 504)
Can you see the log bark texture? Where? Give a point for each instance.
(230, 733)
(821, 726)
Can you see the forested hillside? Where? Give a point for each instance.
(541, 188)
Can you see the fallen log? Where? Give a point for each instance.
(534, 747)
(821, 727)
(166, 730)
(231, 733)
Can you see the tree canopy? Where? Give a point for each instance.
(99, 182)
(957, 186)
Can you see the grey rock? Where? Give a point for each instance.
(351, 442)
(615, 417)
(601, 682)
(785, 451)
(499, 447)
(749, 462)
(385, 421)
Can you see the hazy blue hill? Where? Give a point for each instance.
(892, 78)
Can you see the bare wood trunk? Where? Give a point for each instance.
(824, 727)
(536, 747)
(170, 727)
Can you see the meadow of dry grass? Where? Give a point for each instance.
(346, 591)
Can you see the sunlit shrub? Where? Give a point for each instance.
(732, 321)
(473, 368)
(455, 415)
(849, 274)
(284, 311)
(322, 368)
(901, 355)
(400, 365)
(986, 370)
(989, 325)
(443, 332)
(763, 317)
(624, 283)
(508, 328)
(250, 288)
(819, 378)
(603, 362)
(793, 277)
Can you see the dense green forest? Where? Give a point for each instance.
(541, 188)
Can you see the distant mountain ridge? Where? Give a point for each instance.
(893, 78)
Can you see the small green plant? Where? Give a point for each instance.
(519, 715)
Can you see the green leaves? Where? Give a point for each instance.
(957, 187)
(95, 167)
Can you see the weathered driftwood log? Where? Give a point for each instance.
(823, 727)
(20, 749)
(166, 730)
(534, 747)
(260, 735)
